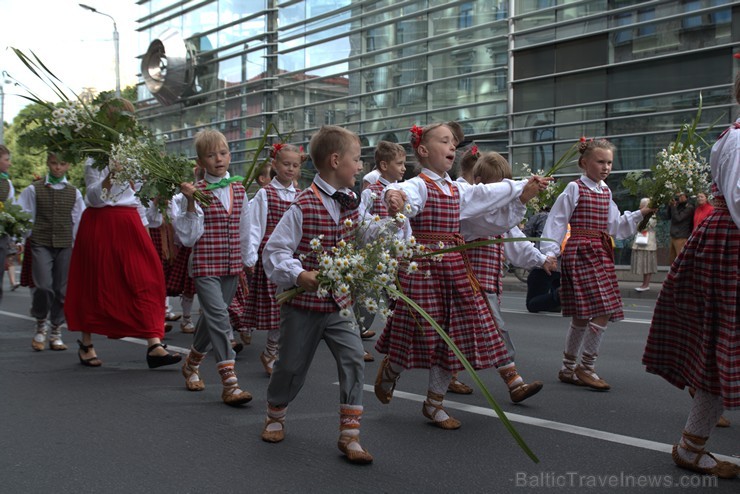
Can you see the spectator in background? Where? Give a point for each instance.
(536, 224)
(681, 215)
(645, 252)
(543, 291)
(703, 208)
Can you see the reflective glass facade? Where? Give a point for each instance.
(525, 78)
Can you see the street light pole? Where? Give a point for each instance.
(115, 44)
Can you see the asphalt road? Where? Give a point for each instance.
(124, 428)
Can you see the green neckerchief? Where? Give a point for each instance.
(4, 176)
(54, 180)
(224, 182)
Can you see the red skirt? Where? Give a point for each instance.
(116, 285)
(693, 339)
(237, 306)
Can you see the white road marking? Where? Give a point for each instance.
(549, 424)
(555, 314)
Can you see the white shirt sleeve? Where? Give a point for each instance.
(189, 226)
(482, 199)
(27, 201)
(244, 227)
(556, 225)
(77, 211)
(523, 253)
(256, 227)
(725, 165)
(277, 257)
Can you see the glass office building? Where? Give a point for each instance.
(526, 78)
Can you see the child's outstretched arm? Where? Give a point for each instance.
(189, 221)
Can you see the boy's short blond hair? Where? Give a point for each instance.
(491, 167)
(387, 151)
(329, 139)
(207, 140)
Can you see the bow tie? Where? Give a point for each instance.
(224, 182)
(345, 200)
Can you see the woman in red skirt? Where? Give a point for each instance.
(693, 339)
(589, 292)
(116, 284)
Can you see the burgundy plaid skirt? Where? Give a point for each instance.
(178, 281)
(262, 311)
(237, 307)
(588, 283)
(693, 339)
(463, 313)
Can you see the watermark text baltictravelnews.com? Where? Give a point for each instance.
(614, 480)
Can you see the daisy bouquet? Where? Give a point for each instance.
(157, 175)
(13, 220)
(365, 268)
(680, 167)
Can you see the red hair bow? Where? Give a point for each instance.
(276, 149)
(416, 133)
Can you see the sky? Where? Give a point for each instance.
(74, 43)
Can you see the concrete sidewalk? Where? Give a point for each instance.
(627, 285)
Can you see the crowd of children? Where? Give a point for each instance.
(238, 254)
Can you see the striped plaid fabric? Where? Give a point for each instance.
(444, 290)
(262, 311)
(238, 307)
(693, 339)
(4, 189)
(178, 280)
(487, 262)
(156, 235)
(588, 283)
(52, 226)
(317, 221)
(378, 205)
(217, 252)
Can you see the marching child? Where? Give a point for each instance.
(448, 291)
(214, 232)
(589, 292)
(390, 162)
(320, 210)
(56, 208)
(487, 261)
(7, 193)
(265, 211)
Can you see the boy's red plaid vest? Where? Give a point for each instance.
(378, 206)
(317, 221)
(218, 251)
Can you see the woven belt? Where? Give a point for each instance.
(455, 239)
(606, 240)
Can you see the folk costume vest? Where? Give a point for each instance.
(317, 221)
(52, 226)
(218, 251)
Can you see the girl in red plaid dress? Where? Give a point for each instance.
(589, 291)
(693, 338)
(265, 211)
(447, 290)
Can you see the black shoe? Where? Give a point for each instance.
(237, 347)
(154, 361)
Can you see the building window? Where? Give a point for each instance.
(466, 16)
(646, 29)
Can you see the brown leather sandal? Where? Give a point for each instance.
(385, 376)
(722, 469)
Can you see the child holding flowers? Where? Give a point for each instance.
(693, 339)
(265, 211)
(589, 292)
(448, 290)
(56, 208)
(214, 232)
(116, 285)
(323, 214)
